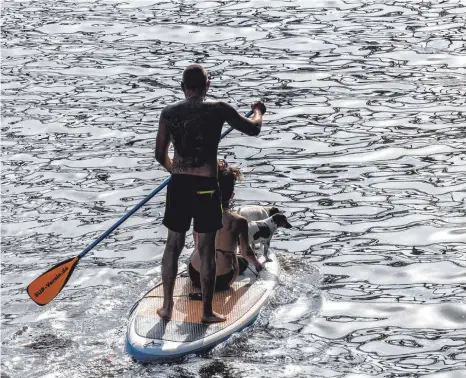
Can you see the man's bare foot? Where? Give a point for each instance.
(164, 314)
(212, 318)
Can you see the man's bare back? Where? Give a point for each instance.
(194, 128)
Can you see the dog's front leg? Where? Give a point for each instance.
(266, 251)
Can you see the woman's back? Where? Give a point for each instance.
(226, 242)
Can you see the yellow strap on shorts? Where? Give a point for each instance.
(209, 192)
(206, 192)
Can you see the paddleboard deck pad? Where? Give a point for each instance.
(152, 339)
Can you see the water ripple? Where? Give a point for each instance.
(363, 148)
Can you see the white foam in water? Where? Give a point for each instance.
(294, 312)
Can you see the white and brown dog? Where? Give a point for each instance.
(255, 213)
(261, 231)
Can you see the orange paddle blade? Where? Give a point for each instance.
(47, 286)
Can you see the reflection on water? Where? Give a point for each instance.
(363, 148)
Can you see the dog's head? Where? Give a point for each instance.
(272, 210)
(281, 221)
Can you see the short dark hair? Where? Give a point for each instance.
(195, 77)
(227, 177)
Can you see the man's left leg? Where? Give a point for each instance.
(175, 244)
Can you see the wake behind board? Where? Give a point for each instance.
(151, 339)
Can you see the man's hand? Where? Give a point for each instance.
(259, 105)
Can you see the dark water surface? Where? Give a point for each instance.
(363, 147)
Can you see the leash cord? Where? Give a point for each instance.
(256, 274)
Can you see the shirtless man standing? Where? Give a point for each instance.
(194, 126)
(234, 227)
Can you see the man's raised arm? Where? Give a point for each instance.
(249, 126)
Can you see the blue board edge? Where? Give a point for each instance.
(140, 356)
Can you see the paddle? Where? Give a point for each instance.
(47, 286)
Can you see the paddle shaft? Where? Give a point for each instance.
(140, 204)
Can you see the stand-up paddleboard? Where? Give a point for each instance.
(151, 339)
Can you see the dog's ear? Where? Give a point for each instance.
(281, 221)
(273, 210)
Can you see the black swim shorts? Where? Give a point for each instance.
(193, 197)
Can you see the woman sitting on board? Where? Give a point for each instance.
(235, 227)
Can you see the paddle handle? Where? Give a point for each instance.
(140, 204)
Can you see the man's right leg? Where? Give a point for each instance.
(175, 244)
(206, 247)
